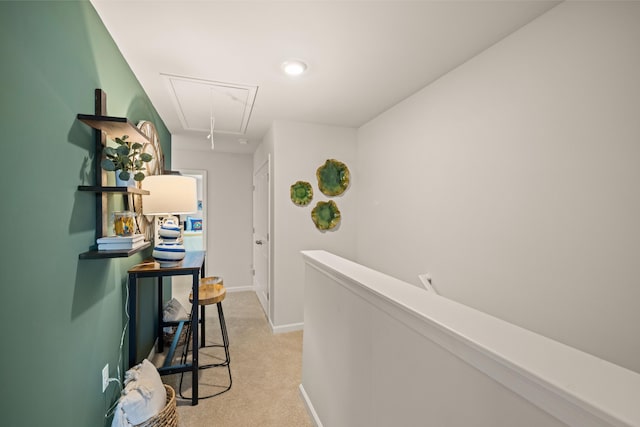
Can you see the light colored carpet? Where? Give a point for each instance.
(266, 370)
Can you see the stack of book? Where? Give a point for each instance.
(119, 243)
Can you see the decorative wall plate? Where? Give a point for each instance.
(333, 177)
(326, 215)
(301, 193)
(154, 167)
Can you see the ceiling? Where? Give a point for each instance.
(198, 59)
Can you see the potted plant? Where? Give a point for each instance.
(125, 159)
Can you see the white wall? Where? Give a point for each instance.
(298, 149)
(229, 211)
(513, 180)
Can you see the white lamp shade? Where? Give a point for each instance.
(169, 194)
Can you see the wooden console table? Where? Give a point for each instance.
(193, 265)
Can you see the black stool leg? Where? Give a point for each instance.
(185, 351)
(202, 326)
(225, 344)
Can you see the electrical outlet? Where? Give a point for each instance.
(105, 377)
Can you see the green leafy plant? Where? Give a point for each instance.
(127, 158)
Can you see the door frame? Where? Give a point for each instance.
(205, 211)
(269, 303)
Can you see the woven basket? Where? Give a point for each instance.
(168, 417)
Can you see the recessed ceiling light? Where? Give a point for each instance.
(294, 67)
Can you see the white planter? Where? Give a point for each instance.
(121, 183)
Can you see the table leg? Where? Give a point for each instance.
(194, 325)
(160, 319)
(203, 333)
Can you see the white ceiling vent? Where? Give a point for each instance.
(196, 100)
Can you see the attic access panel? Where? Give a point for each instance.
(196, 99)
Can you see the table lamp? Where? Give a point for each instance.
(169, 195)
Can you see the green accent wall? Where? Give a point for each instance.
(62, 317)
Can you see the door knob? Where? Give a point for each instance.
(259, 242)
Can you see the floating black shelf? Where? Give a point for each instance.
(95, 254)
(114, 127)
(112, 189)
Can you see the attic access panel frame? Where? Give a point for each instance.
(231, 104)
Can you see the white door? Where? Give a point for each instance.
(261, 235)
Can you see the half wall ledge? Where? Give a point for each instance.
(379, 351)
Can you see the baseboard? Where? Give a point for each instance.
(152, 353)
(309, 406)
(291, 327)
(239, 288)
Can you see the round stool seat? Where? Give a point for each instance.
(211, 280)
(210, 294)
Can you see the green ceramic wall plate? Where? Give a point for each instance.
(326, 215)
(333, 177)
(301, 193)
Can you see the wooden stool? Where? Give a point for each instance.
(211, 291)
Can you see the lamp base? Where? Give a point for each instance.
(168, 254)
(164, 264)
(170, 229)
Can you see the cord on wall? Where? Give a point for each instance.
(112, 408)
